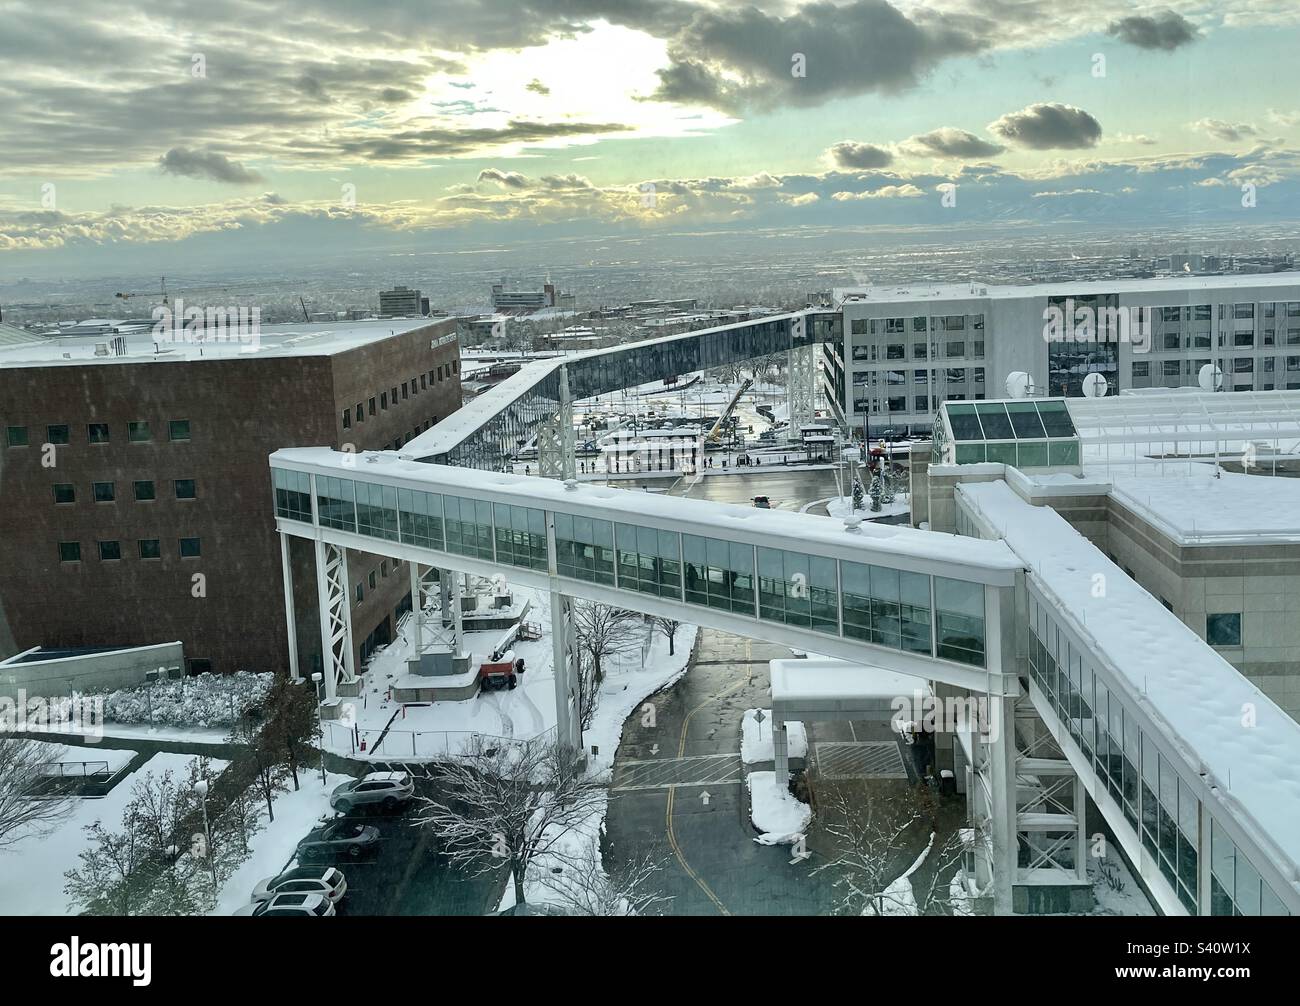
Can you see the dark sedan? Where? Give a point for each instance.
(338, 841)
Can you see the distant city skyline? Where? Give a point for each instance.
(158, 127)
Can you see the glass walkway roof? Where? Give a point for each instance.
(1029, 433)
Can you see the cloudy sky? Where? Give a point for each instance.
(157, 122)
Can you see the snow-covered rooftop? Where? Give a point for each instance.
(314, 339)
(1185, 687)
(1193, 507)
(947, 554)
(828, 678)
(1182, 287)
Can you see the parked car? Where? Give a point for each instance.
(285, 905)
(326, 881)
(762, 502)
(338, 840)
(382, 789)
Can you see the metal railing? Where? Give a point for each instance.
(394, 745)
(77, 769)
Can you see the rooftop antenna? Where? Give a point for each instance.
(305, 315)
(1019, 384)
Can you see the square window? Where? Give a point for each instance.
(139, 432)
(110, 551)
(189, 548)
(178, 429)
(97, 433)
(17, 436)
(65, 493)
(69, 551)
(144, 492)
(1223, 629)
(185, 489)
(103, 492)
(57, 435)
(150, 548)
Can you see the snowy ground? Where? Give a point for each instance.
(756, 738)
(274, 845)
(775, 812)
(191, 735)
(33, 868)
(841, 507)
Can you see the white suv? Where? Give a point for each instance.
(384, 789)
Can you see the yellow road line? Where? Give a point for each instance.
(677, 851)
(672, 793)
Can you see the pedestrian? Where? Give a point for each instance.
(526, 470)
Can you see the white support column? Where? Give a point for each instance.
(1081, 841)
(417, 609)
(457, 615)
(1002, 779)
(291, 629)
(564, 660)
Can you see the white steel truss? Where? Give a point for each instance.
(801, 385)
(556, 447)
(333, 597)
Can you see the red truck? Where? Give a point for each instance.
(500, 671)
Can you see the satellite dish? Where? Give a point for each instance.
(1210, 378)
(1019, 384)
(1095, 386)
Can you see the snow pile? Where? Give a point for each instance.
(756, 738)
(781, 818)
(204, 700)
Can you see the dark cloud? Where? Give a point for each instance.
(1048, 126)
(949, 142)
(1231, 132)
(1166, 30)
(743, 59)
(506, 179)
(440, 141)
(848, 154)
(206, 164)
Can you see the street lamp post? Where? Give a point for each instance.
(201, 789)
(316, 678)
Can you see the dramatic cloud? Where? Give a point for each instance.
(1230, 132)
(747, 59)
(950, 142)
(908, 191)
(861, 156)
(1166, 30)
(206, 164)
(1048, 126)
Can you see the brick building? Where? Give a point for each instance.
(134, 490)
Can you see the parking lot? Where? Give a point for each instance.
(408, 876)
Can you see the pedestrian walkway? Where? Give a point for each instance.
(693, 770)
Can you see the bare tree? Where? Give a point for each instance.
(160, 860)
(588, 692)
(669, 627)
(265, 765)
(505, 804)
(868, 826)
(292, 722)
(603, 631)
(32, 797)
(582, 887)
